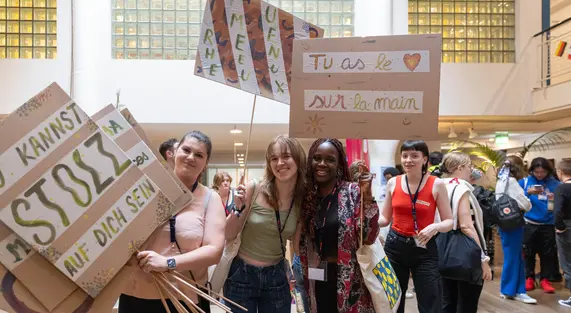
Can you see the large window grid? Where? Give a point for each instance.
(169, 29)
(334, 16)
(28, 29)
(156, 29)
(472, 31)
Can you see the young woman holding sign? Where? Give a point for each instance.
(410, 205)
(257, 278)
(331, 231)
(189, 243)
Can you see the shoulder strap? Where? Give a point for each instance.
(452, 208)
(254, 197)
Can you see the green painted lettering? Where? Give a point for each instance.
(275, 52)
(70, 268)
(119, 168)
(46, 137)
(240, 39)
(119, 217)
(75, 179)
(240, 59)
(271, 34)
(36, 145)
(35, 223)
(100, 236)
(37, 189)
(99, 186)
(208, 34)
(13, 248)
(238, 18)
(69, 121)
(130, 203)
(57, 128)
(23, 154)
(268, 14)
(115, 126)
(212, 70)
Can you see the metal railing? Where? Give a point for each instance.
(554, 54)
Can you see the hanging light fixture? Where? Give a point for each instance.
(452, 133)
(473, 133)
(235, 130)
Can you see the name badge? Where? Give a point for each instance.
(542, 197)
(318, 273)
(418, 244)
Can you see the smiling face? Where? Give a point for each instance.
(191, 158)
(282, 163)
(325, 163)
(412, 161)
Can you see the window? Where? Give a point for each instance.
(156, 29)
(28, 29)
(473, 31)
(334, 16)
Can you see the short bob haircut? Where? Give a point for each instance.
(417, 145)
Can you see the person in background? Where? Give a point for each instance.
(460, 296)
(539, 234)
(562, 213)
(331, 230)
(257, 278)
(434, 160)
(189, 242)
(512, 284)
(167, 151)
(354, 170)
(390, 172)
(410, 205)
(222, 184)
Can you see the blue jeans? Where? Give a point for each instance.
(299, 283)
(258, 289)
(513, 273)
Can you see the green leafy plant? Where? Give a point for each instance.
(545, 141)
(490, 157)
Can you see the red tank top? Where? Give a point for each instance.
(403, 222)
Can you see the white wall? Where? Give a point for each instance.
(21, 79)
(560, 10)
(168, 92)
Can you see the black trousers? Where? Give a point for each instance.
(540, 239)
(129, 304)
(460, 297)
(326, 291)
(407, 258)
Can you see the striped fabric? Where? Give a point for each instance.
(560, 48)
(248, 45)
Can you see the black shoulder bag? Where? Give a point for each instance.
(459, 255)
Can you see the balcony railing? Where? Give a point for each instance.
(554, 54)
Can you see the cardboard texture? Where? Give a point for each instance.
(16, 298)
(114, 124)
(248, 45)
(61, 174)
(384, 87)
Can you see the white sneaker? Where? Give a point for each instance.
(523, 297)
(409, 295)
(565, 303)
(506, 297)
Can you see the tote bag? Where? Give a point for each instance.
(378, 274)
(231, 248)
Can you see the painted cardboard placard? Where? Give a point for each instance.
(384, 87)
(16, 298)
(248, 45)
(30, 267)
(118, 128)
(61, 174)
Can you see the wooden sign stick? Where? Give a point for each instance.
(204, 295)
(179, 307)
(163, 301)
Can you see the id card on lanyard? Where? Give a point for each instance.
(317, 269)
(413, 200)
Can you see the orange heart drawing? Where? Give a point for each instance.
(411, 61)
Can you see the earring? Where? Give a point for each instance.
(339, 173)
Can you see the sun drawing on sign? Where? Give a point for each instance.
(315, 123)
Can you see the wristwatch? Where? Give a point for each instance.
(485, 259)
(171, 263)
(237, 211)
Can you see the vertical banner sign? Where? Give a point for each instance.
(384, 87)
(248, 45)
(62, 175)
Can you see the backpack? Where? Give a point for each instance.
(486, 199)
(506, 212)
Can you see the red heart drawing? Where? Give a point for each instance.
(411, 61)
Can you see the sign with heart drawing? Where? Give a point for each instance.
(385, 87)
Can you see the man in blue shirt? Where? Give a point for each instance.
(539, 236)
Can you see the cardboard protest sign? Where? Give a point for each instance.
(113, 123)
(138, 129)
(32, 268)
(248, 45)
(385, 87)
(61, 174)
(16, 298)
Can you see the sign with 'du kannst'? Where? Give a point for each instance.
(248, 45)
(385, 87)
(72, 194)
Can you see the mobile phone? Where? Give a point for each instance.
(539, 187)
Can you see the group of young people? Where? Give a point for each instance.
(314, 200)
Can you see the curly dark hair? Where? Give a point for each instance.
(309, 204)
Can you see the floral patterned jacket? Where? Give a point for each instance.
(352, 294)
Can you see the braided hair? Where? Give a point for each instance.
(310, 200)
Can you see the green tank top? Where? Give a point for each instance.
(260, 237)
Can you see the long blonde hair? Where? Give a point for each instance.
(452, 161)
(268, 184)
